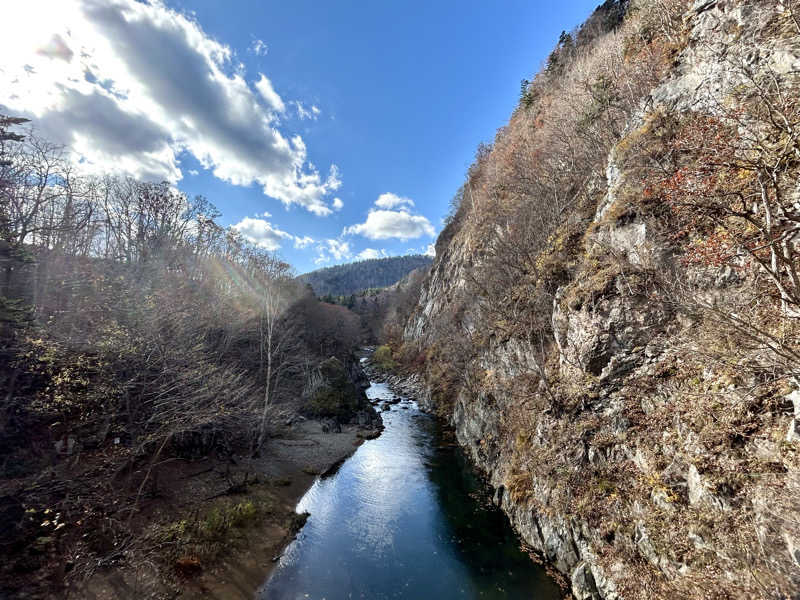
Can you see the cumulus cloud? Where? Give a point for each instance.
(369, 253)
(430, 250)
(266, 235)
(268, 93)
(303, 242)
(388, 224)
(392, 219)
(339, 249)
(131, 85)
(332, 249)
(390, 200)
(194, 172)
(337, 204)
(262, 233)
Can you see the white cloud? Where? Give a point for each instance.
(131, 85)
(390, 200)
(303, 242)
(387, 224)
(339, 249)
(368, 253)
(337, 204)
(268, 93)
(332, 249)
(311, 191)
(392, 219)
(266, 235)
(265, 214)
(306, 113)
(262, 233)
(56, 47)
(194, 172)
(430, 250)
(259, 48)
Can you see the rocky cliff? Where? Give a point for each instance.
(622, 365)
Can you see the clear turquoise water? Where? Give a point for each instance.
(405, 517)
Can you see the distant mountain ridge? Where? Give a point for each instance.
(364, 274)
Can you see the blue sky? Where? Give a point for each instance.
(294, 118)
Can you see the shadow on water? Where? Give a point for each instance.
(481, 533)
(405, 517)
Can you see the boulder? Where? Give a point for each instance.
(583, 586)
(333, 395)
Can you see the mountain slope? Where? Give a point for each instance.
(610, 323)
(342, 280)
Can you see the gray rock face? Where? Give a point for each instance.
(626, 240)
(723, 45)
(608, 337)
(583, 585)
(618, 334)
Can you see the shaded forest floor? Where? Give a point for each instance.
(209, 527)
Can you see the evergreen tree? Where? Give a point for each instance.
(353, 278)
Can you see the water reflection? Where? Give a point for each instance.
(404, 518)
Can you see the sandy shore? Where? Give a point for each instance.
(297, 458)
(286, 470)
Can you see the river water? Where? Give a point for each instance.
(405, 517)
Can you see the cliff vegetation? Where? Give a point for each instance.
(611, 320)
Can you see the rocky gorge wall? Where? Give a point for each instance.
(633, 462)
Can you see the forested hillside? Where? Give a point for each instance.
(135, 331)
(343, 280)
(611, 320)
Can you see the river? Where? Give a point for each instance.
(405, 517)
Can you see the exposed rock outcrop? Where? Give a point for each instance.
(337, 394)
(613, 417)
